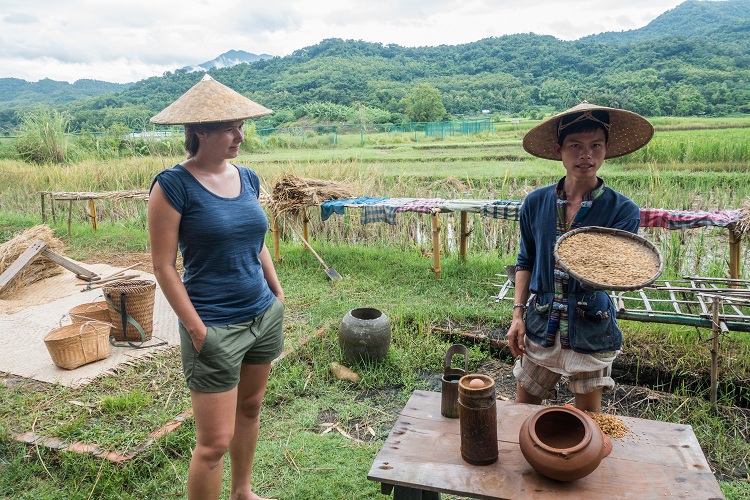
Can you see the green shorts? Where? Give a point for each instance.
(216, 368)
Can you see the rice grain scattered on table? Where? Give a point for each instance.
(608, 259)
(609, 424)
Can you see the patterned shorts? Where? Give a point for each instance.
(542, 382)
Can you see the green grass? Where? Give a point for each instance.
(383, 266)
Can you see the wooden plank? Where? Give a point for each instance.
(423, 451)
(503, 290)
(22, 262)
(646, 303)
(81, 272)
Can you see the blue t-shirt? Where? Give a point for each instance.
(220, 240)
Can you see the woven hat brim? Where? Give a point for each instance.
(209, 101)
(628, 132)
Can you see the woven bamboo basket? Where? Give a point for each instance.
(139, 305)
(71, 346)
(616, 260)
(90, 311)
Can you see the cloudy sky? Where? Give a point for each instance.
(126, 41)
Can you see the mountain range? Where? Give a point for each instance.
(227, 60)
(693, 59)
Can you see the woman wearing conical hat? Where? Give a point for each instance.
(560, 328)
(229, 301)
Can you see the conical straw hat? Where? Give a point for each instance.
(209, 101)
(628, 132)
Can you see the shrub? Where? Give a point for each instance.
(42, 136)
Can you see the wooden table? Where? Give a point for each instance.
(421, 458)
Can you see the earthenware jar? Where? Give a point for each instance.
(563, 443)
(451, 376)
(477, 413)
(364, 335)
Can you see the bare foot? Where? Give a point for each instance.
(247, 496)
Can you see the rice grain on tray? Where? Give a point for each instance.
(607, 259)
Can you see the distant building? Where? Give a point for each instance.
(485, 111)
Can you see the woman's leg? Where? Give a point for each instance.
(214, 414)
(252, 388)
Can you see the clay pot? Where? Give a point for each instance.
(563, 443)
(364, 335)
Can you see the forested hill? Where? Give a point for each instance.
(716, 19)
(15, 92)
(692, 60)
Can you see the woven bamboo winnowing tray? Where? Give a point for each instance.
(608, 259)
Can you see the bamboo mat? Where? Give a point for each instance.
(29, 314)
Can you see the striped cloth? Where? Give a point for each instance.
(421, 205)
(384, 211)
(330, 207)
(502, 209)
(686, 219)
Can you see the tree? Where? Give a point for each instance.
(424, 104)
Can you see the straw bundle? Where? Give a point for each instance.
(41, 267)
(743, 225)
(292, 194)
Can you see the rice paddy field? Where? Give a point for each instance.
(691, 164)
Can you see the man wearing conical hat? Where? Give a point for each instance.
(229, 301)
(559, 327)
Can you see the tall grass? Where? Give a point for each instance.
(423, 170)
(42, 138)
(696, 146)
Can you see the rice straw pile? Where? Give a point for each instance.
(40, 267)
(292, 194)
(743, 225)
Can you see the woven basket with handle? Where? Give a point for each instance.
(71, 346)
(90, 311)
(136, 299)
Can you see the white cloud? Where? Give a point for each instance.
(129, 41)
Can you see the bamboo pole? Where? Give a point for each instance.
(734, 254)
(70, 215)
(275, 233)
(44, 214)
(464, 236)
(436, 245)
(92, 211)
(715, 352)
(305, 228)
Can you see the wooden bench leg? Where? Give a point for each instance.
(406, 493)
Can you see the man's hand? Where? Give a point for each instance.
(515, 336)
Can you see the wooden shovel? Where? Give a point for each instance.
(331, 272)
